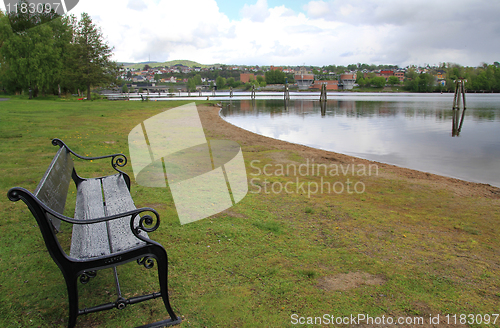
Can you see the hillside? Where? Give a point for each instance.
(188, 63)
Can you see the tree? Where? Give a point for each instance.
(220, 82)
(92, 55)
(275, 77)
(361, 82)
(197, 79)
(32, 59)
(378, 81)
(393, 80)
(191, 85)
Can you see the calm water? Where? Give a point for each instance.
(410, 130)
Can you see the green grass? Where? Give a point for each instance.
(257, 263)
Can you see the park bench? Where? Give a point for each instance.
(108, 230)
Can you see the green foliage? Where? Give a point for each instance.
(62, 53)
(197, 79)
(124, 88)
(92, 55)
(23, 20)
(275, 77)
(220, 82)
(393, 80)
(377, 81)
(423, 82)
(191, 84)
(231, 82)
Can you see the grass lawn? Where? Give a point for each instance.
(399, 249)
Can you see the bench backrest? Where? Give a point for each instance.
(53, 188)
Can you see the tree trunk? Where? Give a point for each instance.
(88, 92)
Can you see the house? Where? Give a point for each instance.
(346, 81)
(138, 78)
(246, 77)
(386, 74)
(441, 75)
(400, 75)
(304, 81)
(330, 84)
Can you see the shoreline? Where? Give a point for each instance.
(218, 128)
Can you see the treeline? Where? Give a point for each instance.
(63, 55)
(355, 67)
(483, 78)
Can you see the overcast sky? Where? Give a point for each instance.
(297, 32)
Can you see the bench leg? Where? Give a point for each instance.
(72, 286)
(162, 262)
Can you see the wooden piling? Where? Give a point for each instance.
(231, 92)
(459, 92)
(287, 92)
(253, 92)
(322, 97)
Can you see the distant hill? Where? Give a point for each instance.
(188, 63)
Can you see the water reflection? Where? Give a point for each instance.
(440, 109)
(456, 126)
(409, 131)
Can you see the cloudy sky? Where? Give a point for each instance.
(297, 32)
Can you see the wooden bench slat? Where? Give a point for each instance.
(89, 240)
(119, 200)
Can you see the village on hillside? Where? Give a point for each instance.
(178, 76)
(303, 77)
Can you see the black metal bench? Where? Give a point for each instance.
(108, 230)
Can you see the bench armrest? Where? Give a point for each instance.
(117, 160)
(146, 223)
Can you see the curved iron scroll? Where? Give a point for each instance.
(117, 160)
(147, 261)
(86, 276)
(146, 223)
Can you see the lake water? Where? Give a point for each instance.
(408, 130)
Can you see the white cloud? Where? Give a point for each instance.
(257, 12)
(136, 5)
(328, 32)
(317, 9)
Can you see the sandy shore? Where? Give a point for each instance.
(217, 128)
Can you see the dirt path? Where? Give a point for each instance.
(217, 128)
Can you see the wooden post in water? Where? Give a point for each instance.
(253, 92)
(322, 97)
(286, 96)
(459, 91)
(231, 92)
(287, 92)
